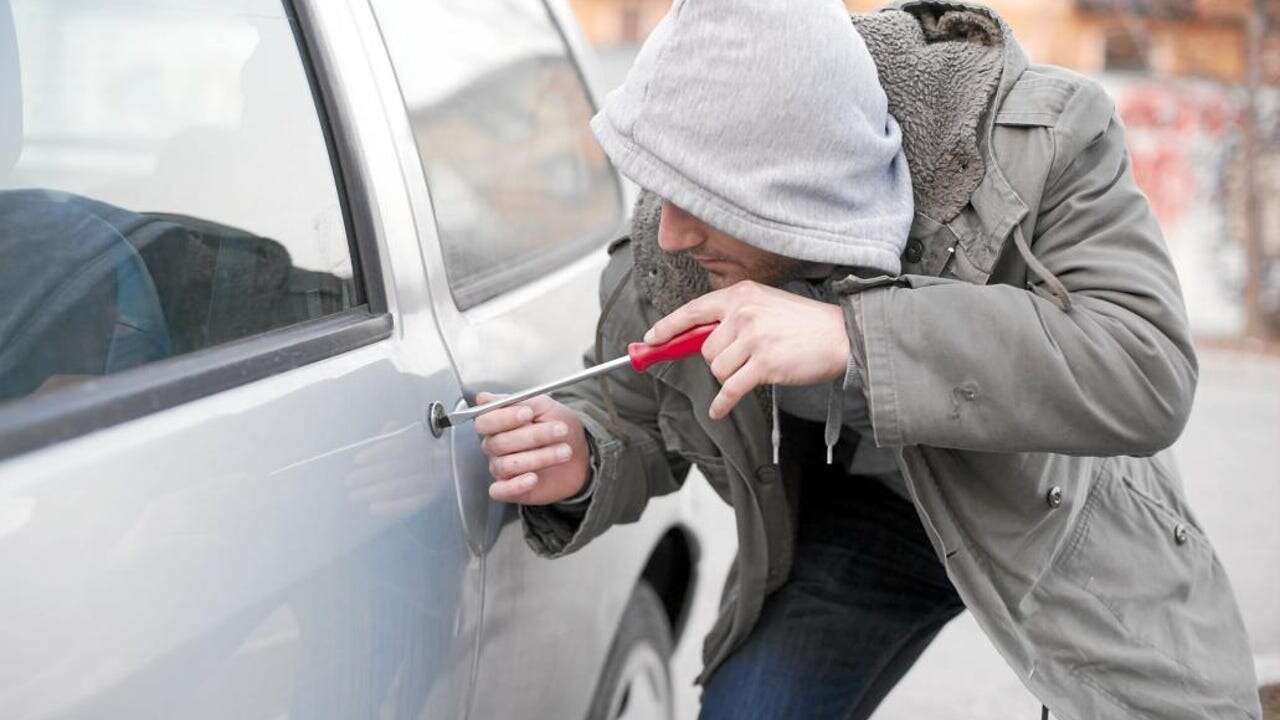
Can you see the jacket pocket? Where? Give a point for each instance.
(1152, 622)
(1134, 554)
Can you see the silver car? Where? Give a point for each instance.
(245, 246)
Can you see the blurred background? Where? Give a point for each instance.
(1197, 84)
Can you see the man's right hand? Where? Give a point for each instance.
(537, 451)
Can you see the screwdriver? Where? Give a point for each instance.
(640, 357)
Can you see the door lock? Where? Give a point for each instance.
(437, 418)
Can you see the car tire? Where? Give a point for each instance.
(635, 683)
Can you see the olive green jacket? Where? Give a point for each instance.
(1030, 365)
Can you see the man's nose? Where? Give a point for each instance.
(678, 230)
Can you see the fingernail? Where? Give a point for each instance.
(560, 430)
(563, 452)
(648, 336)
(524, 414)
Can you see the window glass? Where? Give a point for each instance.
(165, 185)
(518, 182)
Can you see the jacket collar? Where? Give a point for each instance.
(997, 205)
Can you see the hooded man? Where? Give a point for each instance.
(926, 393)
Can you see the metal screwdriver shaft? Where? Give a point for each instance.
(640, 357)
(471, 413)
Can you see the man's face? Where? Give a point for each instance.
(727, 260)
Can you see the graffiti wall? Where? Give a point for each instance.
(1185, 141)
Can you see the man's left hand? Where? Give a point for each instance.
(766, 336)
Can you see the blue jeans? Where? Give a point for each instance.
(866, 595)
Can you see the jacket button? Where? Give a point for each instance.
(1054, 498)
(1180, 534)
(767, 474)
(915, 251)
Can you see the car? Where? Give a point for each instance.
(246, 248)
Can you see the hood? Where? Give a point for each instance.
(942, 66)
(765, 119)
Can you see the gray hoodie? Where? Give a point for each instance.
(765, 119)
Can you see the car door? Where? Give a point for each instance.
(515, 202)
(521, 198)
(218, 494)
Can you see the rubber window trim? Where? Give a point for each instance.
(30, 424)
(345, 155)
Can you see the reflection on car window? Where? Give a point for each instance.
(165, 185)
(500, 116)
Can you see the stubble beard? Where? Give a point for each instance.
(775, 272)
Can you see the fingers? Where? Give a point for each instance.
(699, 311)
(510, 466)
(504, 419)
(729, 361)
(719, 339)
(523, 440)
(734, 389)
(525, 437)
(513, 416)
(513, 490)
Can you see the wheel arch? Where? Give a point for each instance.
(671, 570)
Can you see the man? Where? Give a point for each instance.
(917, 401)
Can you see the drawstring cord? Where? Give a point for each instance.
(830, 432)
(775, 435)
(835, 398)
(835, 412)
(835, 417)
(1060, 296)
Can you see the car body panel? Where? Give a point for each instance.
(302, 545)
(207, 560)
(289, 547)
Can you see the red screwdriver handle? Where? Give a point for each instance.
(683, 345)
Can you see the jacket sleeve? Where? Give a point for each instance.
(631, 463)
(999, 368)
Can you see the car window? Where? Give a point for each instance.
(165, 185)
(518, 183)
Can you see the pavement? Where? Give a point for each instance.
(1230, 459)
